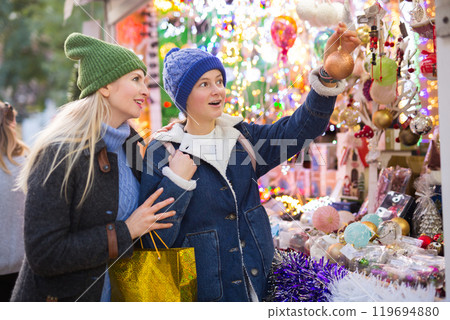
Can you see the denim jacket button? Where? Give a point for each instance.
(242, 243)
(231, 216)
(254, 272)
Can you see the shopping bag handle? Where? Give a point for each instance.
(154, 244)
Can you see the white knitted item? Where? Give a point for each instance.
(322, 90)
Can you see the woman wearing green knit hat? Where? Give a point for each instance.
(81, 186)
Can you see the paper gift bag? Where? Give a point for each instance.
(155, 275)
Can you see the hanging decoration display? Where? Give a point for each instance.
(284, 33)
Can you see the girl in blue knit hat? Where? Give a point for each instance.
(211, 163)
(81, 187)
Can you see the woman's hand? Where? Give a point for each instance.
(182, 165)
(144, 219)
(347, 39)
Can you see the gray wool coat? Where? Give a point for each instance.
(66, 248)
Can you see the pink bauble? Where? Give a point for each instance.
(326, 219)
(284, 32)
(345, 217)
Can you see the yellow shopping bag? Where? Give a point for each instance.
(155, 275)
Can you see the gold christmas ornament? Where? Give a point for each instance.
(339, 65)
(363, 34)
(334, 253)
(348, 117)
(434, 245)
(334, 119)
(370, 225)
(382, 119)
(408, 138)
(403, 224)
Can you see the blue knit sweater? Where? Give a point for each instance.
(128, 184)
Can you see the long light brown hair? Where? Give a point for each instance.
(10, 145)
(76, 127)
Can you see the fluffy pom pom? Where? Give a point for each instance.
(306, 9)
(357, 287)
(339, 9)
(326, 14)
(326, 219)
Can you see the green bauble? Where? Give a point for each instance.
(320, 42)
(387, 71)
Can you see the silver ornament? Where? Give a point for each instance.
(421, 124)
(389, 232)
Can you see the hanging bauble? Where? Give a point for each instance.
(421, 124)
(383, 94)
(320, 42)
(426, 240)
(358, 234)
(428, 66)
(438, 238)
(334, 119)
(385, 71)
(372, 217)
(434, 245)
(363, 34)
(408, 138)
(334, 254)
(348, 117)
(382, 119)
(389, 232)
(403, 224)
(326, 219)
(339, 64)
(284, 33)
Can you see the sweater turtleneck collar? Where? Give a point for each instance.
(115, 138)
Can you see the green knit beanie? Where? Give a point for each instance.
(100, 63)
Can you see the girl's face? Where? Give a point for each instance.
(126, 97)
(207, 98)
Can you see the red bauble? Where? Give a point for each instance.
(428, 66)
(426, 240)
(438, 238)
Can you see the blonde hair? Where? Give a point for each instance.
(76, 127)
(10, 145)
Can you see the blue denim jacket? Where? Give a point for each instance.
(222, 218)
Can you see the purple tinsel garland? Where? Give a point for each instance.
(296, 277)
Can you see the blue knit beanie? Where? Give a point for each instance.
(183, 68)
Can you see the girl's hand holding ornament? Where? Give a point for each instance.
(338, 62)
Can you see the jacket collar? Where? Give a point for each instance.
(224, 131)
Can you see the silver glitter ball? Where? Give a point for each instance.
(421, 124)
